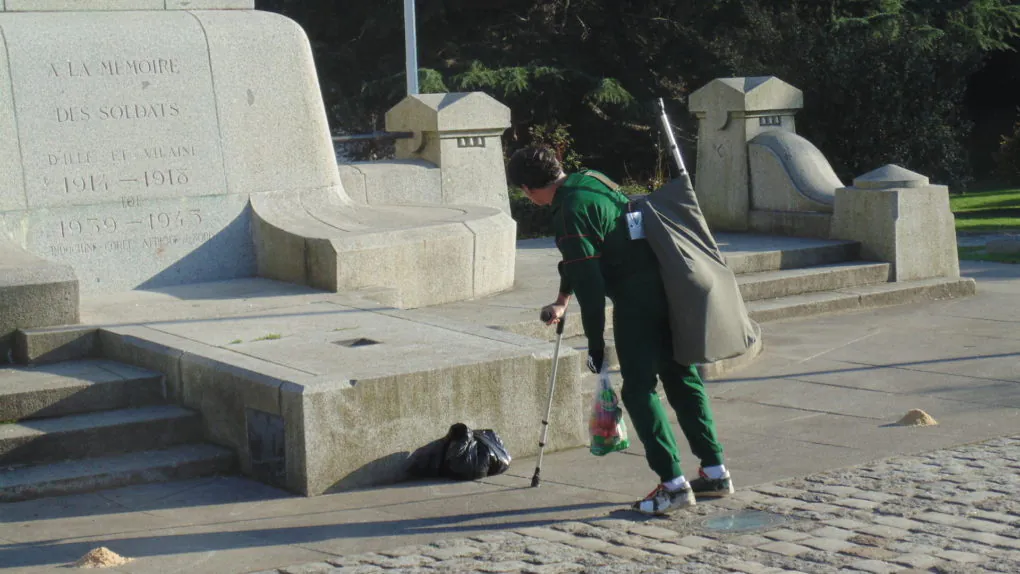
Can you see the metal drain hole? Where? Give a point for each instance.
(743, 521)
(359, 342)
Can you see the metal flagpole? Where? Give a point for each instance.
(411, 47)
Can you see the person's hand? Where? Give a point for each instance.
(595, 359)
(551, 314)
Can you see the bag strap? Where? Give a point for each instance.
(602, 178)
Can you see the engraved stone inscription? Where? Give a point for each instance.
(120, 145)
(134, 67)
(101, 120)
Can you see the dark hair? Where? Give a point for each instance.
(534, 167)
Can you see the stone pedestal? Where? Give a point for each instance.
(900, 218)
(731, 112)
(460, 133)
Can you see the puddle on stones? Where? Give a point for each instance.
(743, 521)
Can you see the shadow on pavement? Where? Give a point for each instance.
(870, 367)
(44, 552)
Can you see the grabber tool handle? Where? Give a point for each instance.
(536, 479)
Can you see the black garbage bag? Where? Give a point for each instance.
(463, 454)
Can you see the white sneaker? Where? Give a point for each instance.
(663, 501)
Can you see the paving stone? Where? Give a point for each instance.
(749, 540)
(939, 518)
(867, 540)
(567, 568)
(981, 525)
(784, 548)
(870, 553)
(746, 496)
(570, 526)
(856, 503)
(1001, 565)
(511, 566)
(357, 569)
(913, 547)
(312, 568)
(883, 531)
(874, 496)
(405, 562)
(369, 558)
(833, 532)
(628, 540)
(965, 557)
(746, 567)
(920, 561)
(993, 516)
(627, 552)
(588, 543)
(845, 523)
(896, 522)
(501, 537)
(822, 508)
(826, 544)
(972, 497)
(670, 549)
(731, 504)
(785, 535)
(778, 491)
(697, 542)
(450, 552)
(546, 534)
(836, 490)
(875, 566)
(986, 538)
(781, 505)
(654, 532)
(405, 551)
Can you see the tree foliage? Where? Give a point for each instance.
(883, 80)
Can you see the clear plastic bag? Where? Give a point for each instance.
(606, 427)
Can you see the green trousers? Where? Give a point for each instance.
(645, 348)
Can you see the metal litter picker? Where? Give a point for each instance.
(536, 479)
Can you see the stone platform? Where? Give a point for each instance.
(318, 392)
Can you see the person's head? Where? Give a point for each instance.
(536, 170)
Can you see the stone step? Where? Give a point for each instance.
(784, 283)
(97, 434)
(754, 253)
(72, 477)
(860, 298)
(76, 387)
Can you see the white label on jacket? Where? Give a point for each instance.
(635, 225)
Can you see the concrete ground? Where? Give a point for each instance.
(824, 395)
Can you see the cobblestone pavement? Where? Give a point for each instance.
(948, 511)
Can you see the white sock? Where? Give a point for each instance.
(676, 484)
(715, 472)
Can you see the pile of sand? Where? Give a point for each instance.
(917, 418)
(101, 558)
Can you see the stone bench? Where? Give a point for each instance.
(429, 227)
(421, 255)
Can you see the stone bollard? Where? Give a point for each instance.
(900, 218)
(731, 112)
(460, 133)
